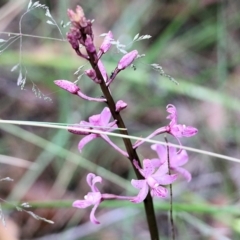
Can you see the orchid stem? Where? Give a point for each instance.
(132, 154)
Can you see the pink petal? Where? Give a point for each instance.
(138, 183)
(90, 178)
(95, 120)
(93, 197)
(184, 172)
(173, 114)
(172, 151)
(94, 181)
(81, 204)
(161, 152)
(92, 215)
(159, 192)
(105, 116)
(85, 124)
(86, 140)
(166, 179)
(156, 162)
(179, 159)
(142, 194)
(179, 130)
(148, 168)
(190, 131)
(162, 170)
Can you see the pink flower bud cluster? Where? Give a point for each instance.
(80, 32)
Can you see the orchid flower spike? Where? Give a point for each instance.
(176, 158)
(153, 180)
(99, 122)
(92, 198)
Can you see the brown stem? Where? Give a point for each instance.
(148, 202)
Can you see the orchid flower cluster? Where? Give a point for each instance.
(153, 175)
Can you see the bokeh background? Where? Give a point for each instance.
(196, 43)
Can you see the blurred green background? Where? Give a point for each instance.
(196, 43)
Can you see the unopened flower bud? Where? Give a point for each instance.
(67, 85)
(77, 18)
(89, 45)
(78, 129)
(91, 74)
(127, 60)
(73, 37)
(107, 42)
(102, 70)
(120, 105)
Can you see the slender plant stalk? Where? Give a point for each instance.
(148, 202)
(171, 193)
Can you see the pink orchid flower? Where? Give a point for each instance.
(153, 180)
(177, 159)
(92, 198)
(173, 128)
(98, 122)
